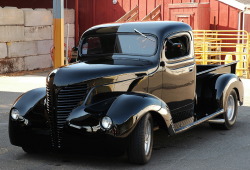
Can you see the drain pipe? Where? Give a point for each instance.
(76, 22)
(243, 22)
(67, 45)
(239, 25)
(241, 13)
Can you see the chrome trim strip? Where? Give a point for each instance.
(217, 121)
(87, 128)
(216, 68)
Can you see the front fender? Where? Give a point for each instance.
(28, 100)
(21, 134)
(128, 109)
(224, 84)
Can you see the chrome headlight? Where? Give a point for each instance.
(106, 123)
(15, 114)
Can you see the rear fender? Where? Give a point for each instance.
(127, 110)
(224, 84)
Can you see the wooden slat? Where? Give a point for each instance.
(147, 18)
(153, 15)
(157, 17)
(156, 10)
(129, 15)
(134, 17)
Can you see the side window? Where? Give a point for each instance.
(92, 45)
(99, 44)
(177, 47)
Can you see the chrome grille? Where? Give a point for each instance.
(66, 100)
(51, 115)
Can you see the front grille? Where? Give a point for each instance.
(65, 101)
(51, 115)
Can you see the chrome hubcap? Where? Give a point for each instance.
(148, 136)
(230, 108)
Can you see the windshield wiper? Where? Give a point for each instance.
(143, 35)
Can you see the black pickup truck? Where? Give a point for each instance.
(130, 79)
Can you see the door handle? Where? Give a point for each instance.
(162, 63)
(191, 69)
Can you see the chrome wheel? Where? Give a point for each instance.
(148, 136)
(140, 142)
(230, 108)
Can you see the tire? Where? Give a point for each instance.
(29, 149)
(141, 141)
(231, 111)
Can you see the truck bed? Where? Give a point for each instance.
(227, 68)
(205, 85)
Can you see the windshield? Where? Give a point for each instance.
(128, 44)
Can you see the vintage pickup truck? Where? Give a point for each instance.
(130, 79)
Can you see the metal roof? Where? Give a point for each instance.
(245, 2)
(239, 4)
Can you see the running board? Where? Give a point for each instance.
(204, 119)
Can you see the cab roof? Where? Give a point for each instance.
(158, 28)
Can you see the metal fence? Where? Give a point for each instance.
(222, 47)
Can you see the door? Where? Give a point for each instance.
(179, 75)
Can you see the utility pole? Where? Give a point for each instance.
(58, 15)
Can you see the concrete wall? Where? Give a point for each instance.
(26, 37)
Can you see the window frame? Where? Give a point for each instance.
(129, 33)
(189, 45)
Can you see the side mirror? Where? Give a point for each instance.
(177, 46)
(174, 50)
(75, 49)
(74, 54)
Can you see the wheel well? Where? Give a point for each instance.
(158, 120)
(237, 92)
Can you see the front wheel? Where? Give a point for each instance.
(141, 141)
(231, 111)
(30, 149)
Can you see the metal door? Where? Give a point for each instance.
(179, 75)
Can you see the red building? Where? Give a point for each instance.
(200, 14)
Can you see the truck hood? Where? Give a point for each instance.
(80, 72)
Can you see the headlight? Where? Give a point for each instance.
(15, 114)
(106, 122)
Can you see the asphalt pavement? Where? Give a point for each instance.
(199, 148)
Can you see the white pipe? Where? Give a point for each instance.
(67, 45)
(243, 20)
(243, 23)
(239, 25)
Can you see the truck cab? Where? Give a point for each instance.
(129, 79)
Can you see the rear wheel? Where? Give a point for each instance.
(231, 111)
(141, 141)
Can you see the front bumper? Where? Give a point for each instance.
(25, 135)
